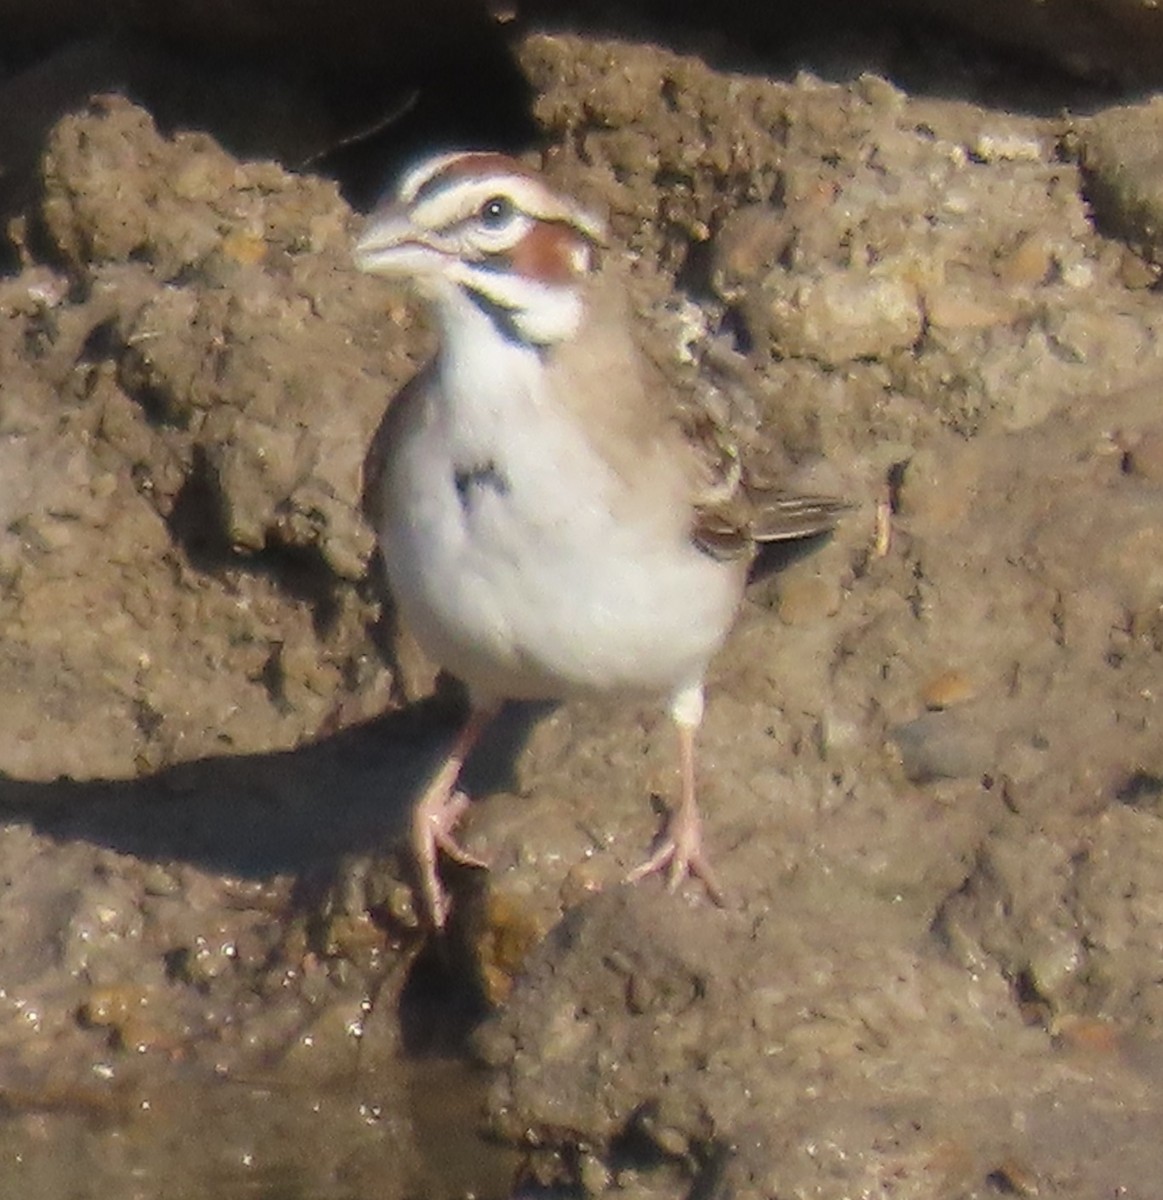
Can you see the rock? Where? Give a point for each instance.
(950, 308)
(748, 245)
(180, 421)
(1144, 456)
(618, 1006)
(839, 317)
(1123, 159)
(948, 688)
(939, 745)
(1026, 264)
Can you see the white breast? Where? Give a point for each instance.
(523, 582)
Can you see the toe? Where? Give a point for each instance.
(680, 861)
(443, 825)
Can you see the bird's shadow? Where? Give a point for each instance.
(289, 811)
(773, 557)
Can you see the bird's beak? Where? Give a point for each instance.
(391, 245)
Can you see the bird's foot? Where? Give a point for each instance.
(681, 855)
(433, 822)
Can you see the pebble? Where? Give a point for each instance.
(1091, 1035)
(1145, 457)
(246, 248)
(1028, 264)
(952, 308)
(840, 316)
(1123, 159)
(124, 1010)
(1008, 146)
(938, 745)
(748, 245)
(1015, 1178)
(1137, 275)
(947, 689)
(507, 933)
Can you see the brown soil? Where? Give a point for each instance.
(931, 763)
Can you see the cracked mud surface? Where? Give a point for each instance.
(931, 764)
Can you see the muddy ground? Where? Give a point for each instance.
(931, 765)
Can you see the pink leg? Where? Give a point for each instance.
(435, 817)
(681, 849)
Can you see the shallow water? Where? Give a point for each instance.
(235, 1140)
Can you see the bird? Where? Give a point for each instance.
(549, 527)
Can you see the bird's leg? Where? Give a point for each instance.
(436, 815)
(681, 850)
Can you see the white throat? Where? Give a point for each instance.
(522, 309)
(487, 377)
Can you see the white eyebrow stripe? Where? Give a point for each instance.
(462, 198)
(422, 172)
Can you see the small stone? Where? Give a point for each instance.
(1007, 146)
(878, 93)
(593, 1175)
(203, 176)
(46, 533)
(1026, 265)
(947, 689)
(305, 672)
(246, 248)
(415, 671)
(355, 937)
(124, 1011)
(670, 1140)
(107, 1007)
(493, 1046)
(839, 316)
(1134, 561)
(1145, 457)
(747, 246)
(950, 308)
(160, 880)
(508, 932)
(580, 883)
(1137, 275)
(938, 745)
(1078, 275)
(1016, 1178)
(1123, 161)
(1091, 1035)
(103, 486)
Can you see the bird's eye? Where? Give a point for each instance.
(496, 212)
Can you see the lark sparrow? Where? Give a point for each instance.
(548, 528)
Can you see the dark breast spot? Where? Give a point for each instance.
(471, 479)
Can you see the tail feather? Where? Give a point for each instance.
(752, 518)
(781, 517)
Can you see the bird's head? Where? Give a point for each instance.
(482, 227)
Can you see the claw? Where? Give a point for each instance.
(435, 818)
(445, 822)
(680, 854)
